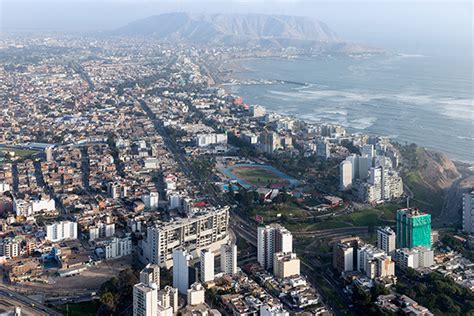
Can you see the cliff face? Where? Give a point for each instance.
(432, 179)
(437, 171)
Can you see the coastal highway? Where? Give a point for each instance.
(28, 306)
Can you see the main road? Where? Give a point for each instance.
(29, 304)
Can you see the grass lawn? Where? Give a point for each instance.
(257, 176)
(369, 217)
(297, 219)
(80, 309)
(363, 218)
(328, 224)
(22, 153)
(378, 216)
(287, 210)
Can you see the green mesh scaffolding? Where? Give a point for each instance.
(413, 230)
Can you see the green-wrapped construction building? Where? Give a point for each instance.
(413, 228)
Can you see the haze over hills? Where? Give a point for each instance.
(241, 29)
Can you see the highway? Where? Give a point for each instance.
(334, 232)
(26, 302)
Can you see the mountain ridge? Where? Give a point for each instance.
(251, 29)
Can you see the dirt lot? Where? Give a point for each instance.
(88, 280)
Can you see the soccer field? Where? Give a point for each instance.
(258, 176)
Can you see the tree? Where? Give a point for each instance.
(379, 289)
(116, 293)
(108, 300)
(360, 297)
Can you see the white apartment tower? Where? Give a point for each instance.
(181, 260)
(61, 230)
(207, 266)
(468, 213)
(345, 175)
(150, 274)
(229, 259)
(386, 239)
(145, 300)
(271, 239)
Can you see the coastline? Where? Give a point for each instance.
(231, 68)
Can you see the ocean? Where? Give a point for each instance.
(410, 98)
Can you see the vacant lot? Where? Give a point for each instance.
(90, 279)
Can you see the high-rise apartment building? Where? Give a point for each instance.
(204, 231)
(207, 266)
(181, 260)
(375, 181)
(323, 149)
(145, 300)
(269, 141)
(345, 254)
(271, 239)
(468, 213)
(229, 259)
(413, 228)
(368, 151)
(386, 240)
(345, 181)
(10, 247)
(61, 230)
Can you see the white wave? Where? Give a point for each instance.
(337, 112)
(465, 138)
(404, 55)
(332, 95)
(362, 123)
(455, 108)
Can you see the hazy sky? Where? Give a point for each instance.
(427, 27)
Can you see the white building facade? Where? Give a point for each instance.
(229, 259)
(61, 231)
(271, 239)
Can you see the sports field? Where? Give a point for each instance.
(259, 177)
(254, 175)
(19, 152)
